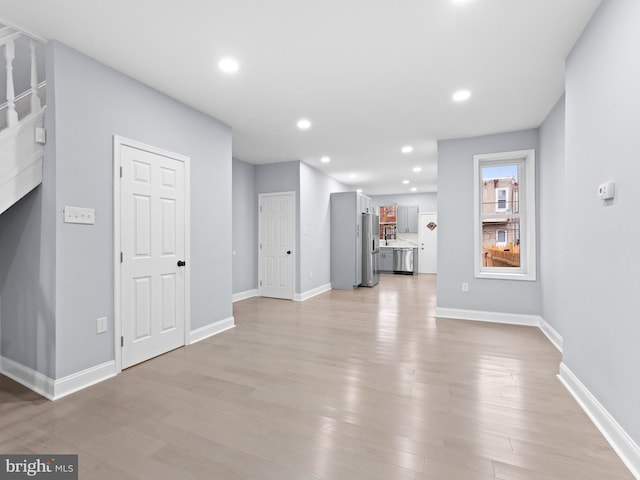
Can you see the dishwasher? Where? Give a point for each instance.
(403, 260)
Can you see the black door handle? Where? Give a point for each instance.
(288, 252)
(181, 263)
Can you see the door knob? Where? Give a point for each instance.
(288, 252)
(181, 263)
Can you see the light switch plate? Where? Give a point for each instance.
(41, 135)
(101, 325)
(606, 191)
(85, 216)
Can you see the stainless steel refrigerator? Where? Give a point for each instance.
(370, 250)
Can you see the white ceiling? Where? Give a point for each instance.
(371, 75)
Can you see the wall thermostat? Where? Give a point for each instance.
(606, 191)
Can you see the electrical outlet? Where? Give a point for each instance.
(465, 287)
(101, 325)
(310, 273)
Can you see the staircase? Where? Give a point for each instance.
(21, 118)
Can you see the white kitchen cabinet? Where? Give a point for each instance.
(364, 204)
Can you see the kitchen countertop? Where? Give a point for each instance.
(398, 245)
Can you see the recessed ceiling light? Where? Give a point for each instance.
(228, 65)
(417, 169)
(405, 182)
(359, 190)
(407, 149)
(352, 175)
(304, 124)
(325, 159)
(461, 95)
(414, 189)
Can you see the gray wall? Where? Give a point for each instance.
(600, 297)
(315, 219)
(245, 227)
(27, 283)
(92, 103)
(427, 202)
(313, 189)
(552, 224)
(455, 230)
(283, 177)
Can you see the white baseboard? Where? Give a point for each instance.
(55, 389)
(211, 330)
(301, 297)
(494, 317)
(551, 333)
(236, 297)
(80, 380)
(28, 377)
(510, 318)
(620, 441)
(618, 438)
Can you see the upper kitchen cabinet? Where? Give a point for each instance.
(364, 204)
(407, 221)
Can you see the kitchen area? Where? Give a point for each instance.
(370, 236)
(398, 236)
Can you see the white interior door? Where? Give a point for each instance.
(428, 243)
(277, 241)
(153, 240)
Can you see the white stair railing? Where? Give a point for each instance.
(9, 55)
(10, 108)
(20, 154)
(36, 104)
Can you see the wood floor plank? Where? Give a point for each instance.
(348, 385)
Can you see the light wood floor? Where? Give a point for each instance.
(348, 385)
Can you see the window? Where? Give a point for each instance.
(504, 193)
(501, 199)
(388, 222)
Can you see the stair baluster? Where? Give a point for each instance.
(36, 104)
(9, 56)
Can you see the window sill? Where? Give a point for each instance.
(505, 275)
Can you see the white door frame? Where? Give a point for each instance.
(420, 264)
(118, 142)
(293, 240)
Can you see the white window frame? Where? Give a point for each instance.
(506, 236)
(526, 213)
